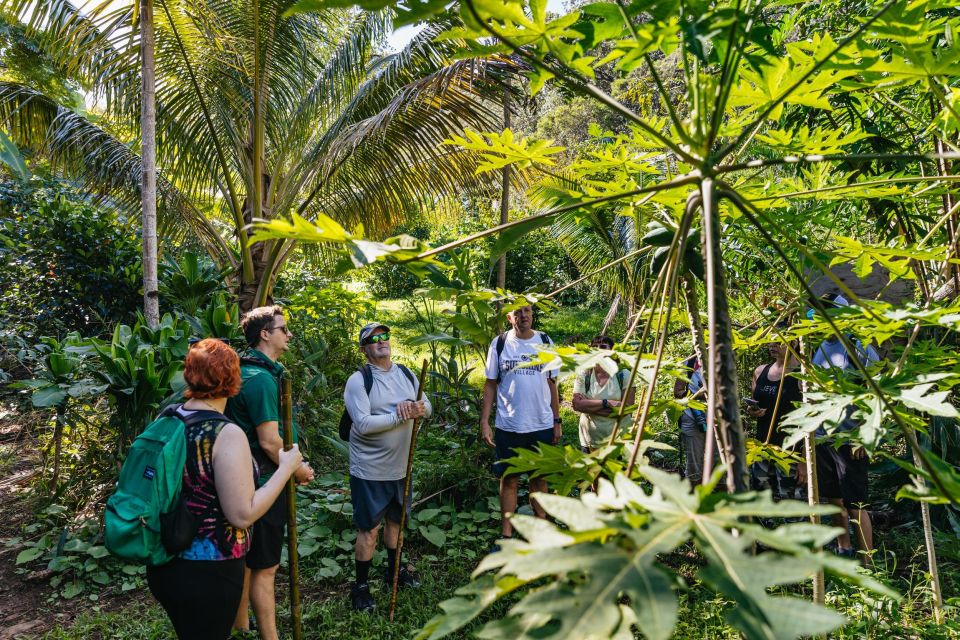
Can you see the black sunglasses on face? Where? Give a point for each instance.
(380, 337)
(284, 328)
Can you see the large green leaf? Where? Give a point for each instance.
(599, 575)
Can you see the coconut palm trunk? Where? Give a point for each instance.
(148, 159)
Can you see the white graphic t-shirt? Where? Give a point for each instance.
(523, 395)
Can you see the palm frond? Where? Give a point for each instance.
(78, 148)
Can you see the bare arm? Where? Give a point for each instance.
(489, 393)
(555, 406)
(268, 435)
(241, 502)
(583, 404)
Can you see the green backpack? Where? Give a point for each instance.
(145, 521)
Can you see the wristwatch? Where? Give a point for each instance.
(558, 420)
(606, 403)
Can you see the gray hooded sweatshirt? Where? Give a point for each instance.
(380, 440)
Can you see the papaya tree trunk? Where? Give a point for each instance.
(723, 403)
(148, 158)
(699, 349)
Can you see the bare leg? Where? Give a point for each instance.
(366, 544)
(508, 502)
(264, 602)
(391, 534)
(538, 485)
(842, 520)
(242, 621)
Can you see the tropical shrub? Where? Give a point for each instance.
(67, 265)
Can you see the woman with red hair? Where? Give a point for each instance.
(200, 588)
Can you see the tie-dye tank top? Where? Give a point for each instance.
(216, 538)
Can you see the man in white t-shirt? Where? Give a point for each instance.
(528, 406)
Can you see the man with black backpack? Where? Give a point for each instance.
(380, 412)
(256, 409)
(528, 406)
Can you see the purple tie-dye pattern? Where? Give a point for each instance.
(216, 538)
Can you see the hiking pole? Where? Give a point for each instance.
(287, 418)
(406, 494)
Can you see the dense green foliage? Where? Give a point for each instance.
(678, 156)
(67, 265)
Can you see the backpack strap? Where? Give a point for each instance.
(501, 342)
(201, 415)
(409, 374)
(367, 374)
(621, 374)
(544, 338)
(586, 382)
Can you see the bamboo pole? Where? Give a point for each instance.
(406, 494)
(286, 405)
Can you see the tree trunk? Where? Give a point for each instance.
(699, 349)
(722, 396)
(148, 156)
(504, 195)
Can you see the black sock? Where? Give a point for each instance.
(391, 561)
(363, 570)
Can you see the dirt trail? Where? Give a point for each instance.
(22, 607)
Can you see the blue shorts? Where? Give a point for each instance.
(375, 499)
(508, 442)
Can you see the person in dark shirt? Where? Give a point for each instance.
(776, 392)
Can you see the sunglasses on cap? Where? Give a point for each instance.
(380, 337)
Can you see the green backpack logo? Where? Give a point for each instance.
(145, 521)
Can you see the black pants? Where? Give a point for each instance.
(200, 597)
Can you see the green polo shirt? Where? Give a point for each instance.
(258, 402)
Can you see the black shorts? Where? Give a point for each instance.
(200, 596)
(508, 442)
(373, 500)
(266, 538)
(840, 476)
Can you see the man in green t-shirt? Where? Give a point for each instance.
(256, 409)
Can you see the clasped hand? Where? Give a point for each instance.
(410, 409)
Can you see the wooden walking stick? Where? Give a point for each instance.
(286, 405)
(406, 494)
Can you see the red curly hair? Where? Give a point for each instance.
(212, 370)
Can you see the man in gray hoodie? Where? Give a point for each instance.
(379, 445)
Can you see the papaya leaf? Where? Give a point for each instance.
(579, 579)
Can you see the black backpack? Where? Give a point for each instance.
(346, 422)
(502, 341)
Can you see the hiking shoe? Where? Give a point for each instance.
(361, 599)
(407, 579)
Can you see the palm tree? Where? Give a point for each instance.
(259, 115)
